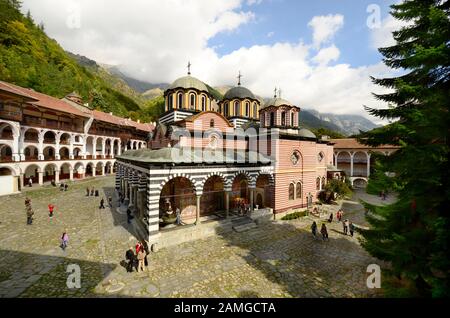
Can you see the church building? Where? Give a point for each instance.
(210, 158)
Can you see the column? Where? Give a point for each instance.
(119, 150)
(368, 165)
(58, 140)
(252, 192)
(93, 170)
(22, 176)
(15, 148)
(56, 176)
(351, 164)
(103, 170)
(335, 160)
(103, 148)
(41, 178)
(227, 203)
(71, 173)
(197, 219)
(41, 147)
(112, 149)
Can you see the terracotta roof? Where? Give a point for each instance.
(101, 116)
(11, 89)
(47, 101)
(352, 143)
(54, 103)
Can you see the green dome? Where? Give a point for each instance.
(306, 133)
(239, 92)
(189, 82)
(278, 102)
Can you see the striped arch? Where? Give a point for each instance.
(212, 174)
(270, 175)
(196, 185)
(229, 183)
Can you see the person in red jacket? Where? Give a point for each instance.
(51, 207)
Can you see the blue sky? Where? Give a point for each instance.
(288, 20)
(321, 53)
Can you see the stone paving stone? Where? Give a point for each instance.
(277, 259)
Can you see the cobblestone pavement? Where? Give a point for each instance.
(279, 259)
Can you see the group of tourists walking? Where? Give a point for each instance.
(348, 226)
(323, 231)
(137, 257)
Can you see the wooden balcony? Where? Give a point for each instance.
(6, 159)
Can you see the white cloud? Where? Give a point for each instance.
(326, 55)
(325, 27)
(382, 36)
(153, 40)
(253, 2)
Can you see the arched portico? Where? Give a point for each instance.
(179, 193)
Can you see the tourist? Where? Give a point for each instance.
(61, 187)
(178, 214)
(324, 232)
(64, 240)
(110, 201)
(29, 211)
(129, 255)
(66, 187)
(92, 191)
(129, 216)
(330, 219)
(345, 225)
(30, 182)
(141, 260)
(102, 204)
(351, 228)
(314, 229)
(87, 191)
(139, 247)
(147, 251)
(96, 193)
(51, 207)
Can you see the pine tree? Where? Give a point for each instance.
(413, 234)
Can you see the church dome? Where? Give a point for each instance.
(306, 133)
(278, 102)
(238, 92)
(189, 82)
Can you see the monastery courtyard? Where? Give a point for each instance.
(278, 259)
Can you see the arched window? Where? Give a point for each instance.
(236, 109)
(211, 123)
(292, 118)
(180, 101)
(272, 119)
(298, 194)
(318, 184)
(247, 109)
(291, 191)
(255, 110)
(320, 156)
(323, 182)
(226, 110)
(283, 119)
(192, 101)
(203, 103)
(170, 102)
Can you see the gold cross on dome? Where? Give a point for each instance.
(189, 67)
(239, 78)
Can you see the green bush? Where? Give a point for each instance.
(293, 216)
(341, 189)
